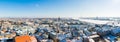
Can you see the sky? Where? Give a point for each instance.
(59, 8)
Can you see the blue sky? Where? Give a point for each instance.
(59, 8)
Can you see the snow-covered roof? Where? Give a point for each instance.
(93, 36)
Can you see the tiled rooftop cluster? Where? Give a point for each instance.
(55, 30)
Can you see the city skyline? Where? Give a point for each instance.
(59, 8)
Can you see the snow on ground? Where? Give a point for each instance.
(95, 21)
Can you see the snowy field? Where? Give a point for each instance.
(94, 21)
(114, 23)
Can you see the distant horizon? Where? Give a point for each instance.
(57, 17)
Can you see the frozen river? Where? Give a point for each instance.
(115, 23)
